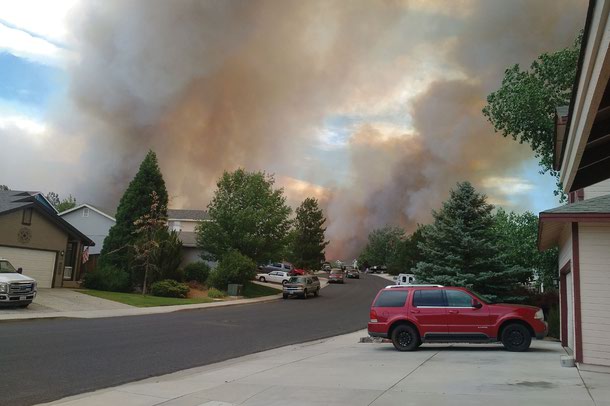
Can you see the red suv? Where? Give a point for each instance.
(416, 314)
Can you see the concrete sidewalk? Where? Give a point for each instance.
(340, 371)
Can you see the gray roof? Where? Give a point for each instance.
(189, 239)
(183, 214)
(599, 204)
(14, 199)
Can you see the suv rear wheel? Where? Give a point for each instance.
(405, 338)
(516, 337)
(305, 294)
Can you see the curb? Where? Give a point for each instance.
(137, 311)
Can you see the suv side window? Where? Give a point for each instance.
(309, 281)
(457, 298)
(315, 278)
(391, 298)
(429, 298)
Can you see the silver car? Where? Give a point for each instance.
(302, 286)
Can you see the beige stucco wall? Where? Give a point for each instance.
(44, 235)
(594, 243)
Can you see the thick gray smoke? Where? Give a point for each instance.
(212, 86)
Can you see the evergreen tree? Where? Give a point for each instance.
(461, 248)
(307, 240)
(135, 203)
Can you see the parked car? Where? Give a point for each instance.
(416, 314)
(276, 266)
(302, 286)
(336, 276)
(15, 289)
(405, 279)
(274, 276)
(296, 272)
(352, 273)
(326, 267)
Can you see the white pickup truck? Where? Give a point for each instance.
(15, 288)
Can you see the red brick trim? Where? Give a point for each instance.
(576, 282)
(563, 301)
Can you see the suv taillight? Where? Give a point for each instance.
(373, 316)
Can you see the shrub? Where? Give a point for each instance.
(232, 268)
(169, 288)
(553, 320)
(109, 278)
(214, 293)
(197, 271)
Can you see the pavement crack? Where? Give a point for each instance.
(404, 377)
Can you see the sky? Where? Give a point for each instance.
(373, 107)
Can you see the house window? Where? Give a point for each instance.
(86, 212)
(26, 220)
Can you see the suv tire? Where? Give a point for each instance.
(284, 296)
(317, 292)
(516, 337)
(405, 338)
(305, 294)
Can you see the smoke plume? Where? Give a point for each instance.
(212, 86)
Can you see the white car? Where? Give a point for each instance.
(275, 276)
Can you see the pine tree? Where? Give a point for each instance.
(461, 248)
(135, 203)
(308, 242)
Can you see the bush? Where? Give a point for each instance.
(232, 268)
(109, 278)
(197, 271)
(169, 288)
(214, 293)
(553, 320)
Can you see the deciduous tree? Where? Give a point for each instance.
(247, 215)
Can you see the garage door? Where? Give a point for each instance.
(35, 263)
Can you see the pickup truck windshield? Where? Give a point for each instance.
(6, 267)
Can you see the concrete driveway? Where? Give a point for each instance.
(340, 371)
(63, 300)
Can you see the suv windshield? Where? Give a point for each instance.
(6, 267)
(296, 279)
(336, 272)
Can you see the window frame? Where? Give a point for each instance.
(30, 211)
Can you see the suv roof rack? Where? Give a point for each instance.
(415, 285)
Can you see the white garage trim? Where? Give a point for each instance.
(37, 264)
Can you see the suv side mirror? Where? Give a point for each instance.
(476, 304)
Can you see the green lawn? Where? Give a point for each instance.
(254, 290)
(138, 300)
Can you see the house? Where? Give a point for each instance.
(34, 237)
(185, 223)
(95, 224)
(581, 229)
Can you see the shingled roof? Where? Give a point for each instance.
(595, 205)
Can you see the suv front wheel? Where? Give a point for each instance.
(516, 337)
(405, 338)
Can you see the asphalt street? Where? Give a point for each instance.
(45, 360)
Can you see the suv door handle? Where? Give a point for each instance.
(454, 311)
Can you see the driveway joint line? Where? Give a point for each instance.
(404, 377)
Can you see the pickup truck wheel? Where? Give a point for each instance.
(317, 292)
(516, 338)
(262, 279)
(305, 294)
(405, 338)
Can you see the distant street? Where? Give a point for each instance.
(46, 360)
